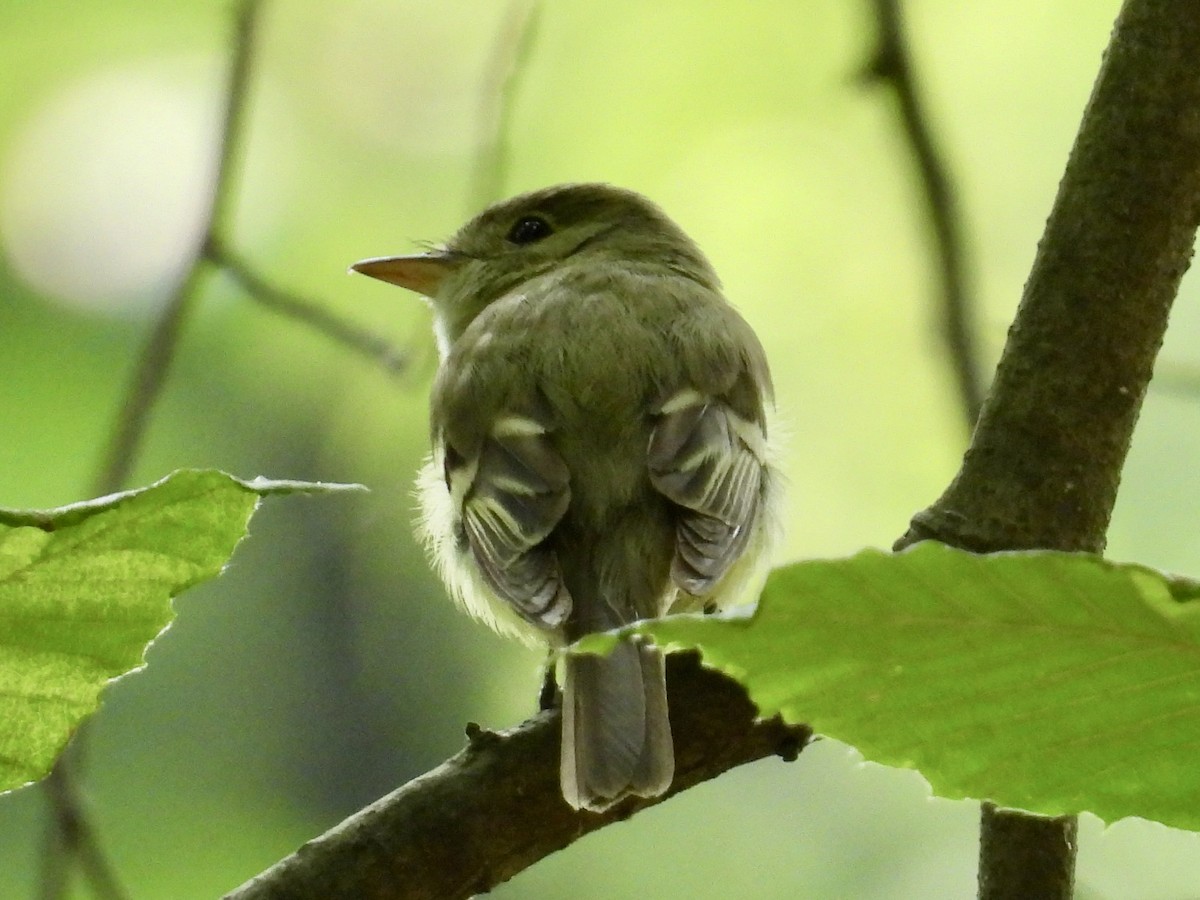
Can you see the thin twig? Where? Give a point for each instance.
(305, 311)
(237, 90)
(1176, 379)
(148, 380)
(502, 81)
(892, 64)
(159, 350)
(72, 836)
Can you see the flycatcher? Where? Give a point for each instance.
(600, 451)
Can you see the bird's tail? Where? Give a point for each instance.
(616, 733)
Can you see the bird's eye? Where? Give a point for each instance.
(529, 230)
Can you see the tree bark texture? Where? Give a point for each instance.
(1045, 461)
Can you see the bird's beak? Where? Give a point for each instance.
(422, 273)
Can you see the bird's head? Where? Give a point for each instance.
(519, 239)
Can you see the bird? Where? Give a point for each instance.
(602, 452)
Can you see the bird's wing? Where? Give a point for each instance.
(512, 494)
(712, 463)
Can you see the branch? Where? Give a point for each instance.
(284, 303)
(496, 807)
(1045, 461)
(502, 78)
(1176, 379)
(1022, 856)
(159, 350)
(71, 836)
(892, 64)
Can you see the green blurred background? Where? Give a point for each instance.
(325, 667)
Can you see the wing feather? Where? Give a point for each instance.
(517, 491)
(704, 457)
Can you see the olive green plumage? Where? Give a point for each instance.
(600, 450)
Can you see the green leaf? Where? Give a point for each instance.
(1049, 682)
(86, 588)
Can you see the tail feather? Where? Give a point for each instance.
(616, 732)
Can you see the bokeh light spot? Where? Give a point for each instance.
(104, 191)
